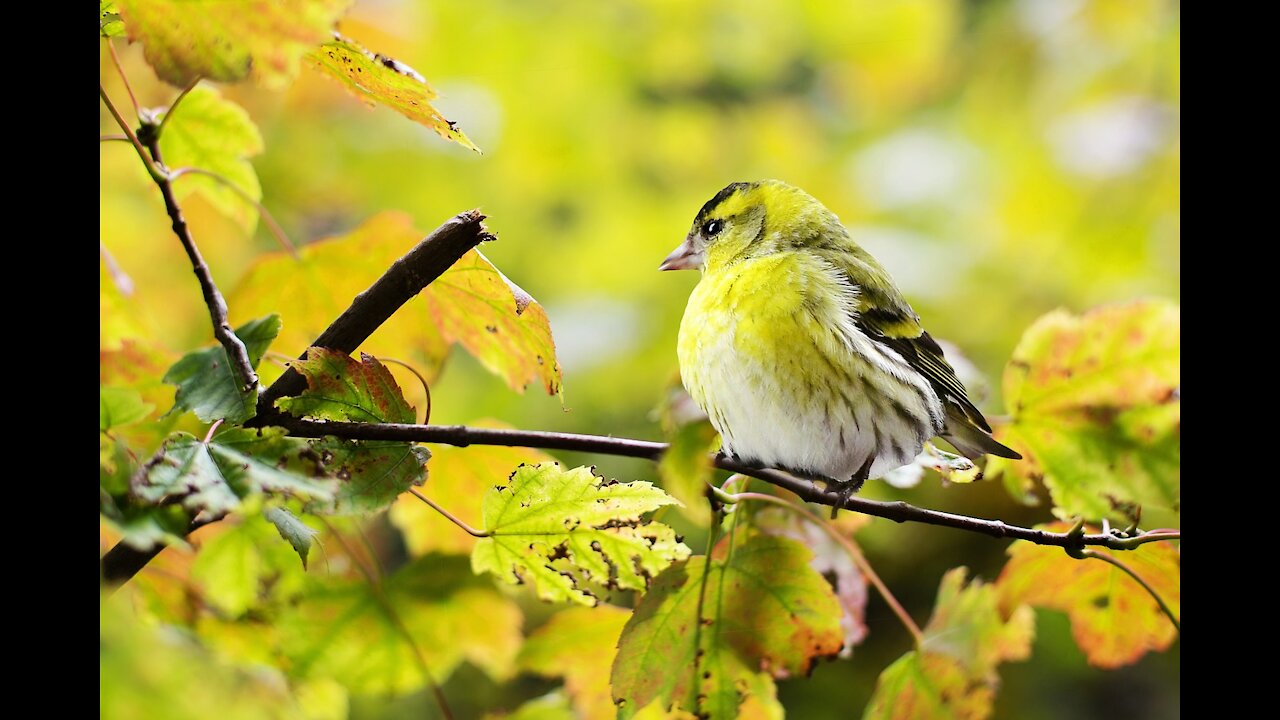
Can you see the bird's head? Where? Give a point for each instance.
(753, 219)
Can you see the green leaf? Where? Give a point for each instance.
(765, 612)
(578, 644)
(557, 529)
(229, 40)
(340, 388)
(381, 639)
(120, 406)
(244, 563)
(214, 477)
(295, 532)
(686, 467)
(504, 328)
(455, 475)
(210, 132)
(378, 79)
(109, 22)
(208, 386)
(146, 671)
(1114, 620)
(1095, 411)
(372, 472)
(953, 673)
(311, 290)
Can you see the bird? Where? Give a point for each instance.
(803, 352)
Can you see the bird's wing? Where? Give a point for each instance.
(884, 316)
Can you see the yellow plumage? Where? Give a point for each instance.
(802, 351)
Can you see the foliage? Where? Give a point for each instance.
(999, 179)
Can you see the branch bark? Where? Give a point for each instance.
(367, 312)
(462, 436)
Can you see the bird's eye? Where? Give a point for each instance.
(712, 227)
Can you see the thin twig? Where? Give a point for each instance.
(115, 59)
(267, 217)
(462, 436)
(449, 516)
(1129, 571)
(236, 351)
(113, 138)
(850, 547)
(152, 170)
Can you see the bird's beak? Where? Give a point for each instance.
(684, 257)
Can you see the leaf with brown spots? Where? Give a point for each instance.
(340, 388)
(766, 613)
(456, 473)
(371, 473)
(476, 306)
(378, 79)
(578, 644)
(559, 529)
(953, 673)
(229, 40)
(1114, 620)
(1094, 401)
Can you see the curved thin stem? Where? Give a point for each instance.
(426, 387)
(173, 105)
(1138, 579)
(449, 516)
(113, 138)
(267, 218)
(115, 60)
(851, 548)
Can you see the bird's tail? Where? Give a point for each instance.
(972, 441)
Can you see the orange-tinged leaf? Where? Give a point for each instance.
(341, 388)
(578, 644)
(1095, 411)
(377, 79)
(1114, 620)
(459, 479)
(229, 40)
(506, 330)
(311, 291)
(953, 673)
(929, 686)
(766, 613)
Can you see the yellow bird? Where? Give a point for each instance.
(803, 352)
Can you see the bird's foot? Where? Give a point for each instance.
(845, 490)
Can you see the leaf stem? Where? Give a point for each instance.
(266, 215)
(426, 387)
(1137, 578)
(174, 105)
(121, 279)
(716, 517)
(115, 60)
(449, 516)
(850, 547)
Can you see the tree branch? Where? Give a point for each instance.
(370, 309)
(237, 353)
(462, 436)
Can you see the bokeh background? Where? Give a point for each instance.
(1002, 158)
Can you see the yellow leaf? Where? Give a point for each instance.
(579, 644)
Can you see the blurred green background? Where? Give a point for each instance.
(1001, 158)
